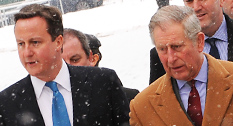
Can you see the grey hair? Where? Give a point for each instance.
(179, 14)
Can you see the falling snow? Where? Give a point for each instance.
(120, 25)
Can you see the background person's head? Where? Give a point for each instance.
(209, 12)
(94, 44)
(38, 32)
(76, 50)
(228, 8)
(175, 31)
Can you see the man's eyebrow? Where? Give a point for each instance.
(76, 55)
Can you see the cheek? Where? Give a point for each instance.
(164, 60)
(162, 57)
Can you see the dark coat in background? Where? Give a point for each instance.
(130, 93)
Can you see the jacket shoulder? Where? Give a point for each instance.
(89, 70)
(14, 88)
(228, 65)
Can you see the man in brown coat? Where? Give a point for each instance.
(178, 39)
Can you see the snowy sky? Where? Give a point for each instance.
(120, 25)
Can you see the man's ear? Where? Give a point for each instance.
(95, 59)
(59, 42)
(200, 41)
(221, 2)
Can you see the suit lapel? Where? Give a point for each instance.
(81, 91)
(166, 104)
(219, 93)
(29, 112)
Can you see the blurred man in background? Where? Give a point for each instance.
(77, 52)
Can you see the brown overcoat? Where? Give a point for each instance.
(157, 105)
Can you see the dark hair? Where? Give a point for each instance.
(82, 38)
(52, 15)
(94, 44)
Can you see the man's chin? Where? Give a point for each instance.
(32, 72)
(179, 76)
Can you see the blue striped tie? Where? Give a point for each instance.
(60, 115)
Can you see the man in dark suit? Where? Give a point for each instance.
(79, 50)
(87, 96)
(214, 24)
(196, 89)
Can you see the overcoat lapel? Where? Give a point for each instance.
(219, 93)
(81, 91)
(167, 106)
(29, 112)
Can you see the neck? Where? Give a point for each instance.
(51, 74)
(213, 28)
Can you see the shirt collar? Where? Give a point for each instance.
(221, 33)
(63, 79)
(202, 75)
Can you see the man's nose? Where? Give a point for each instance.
(197, 5)
(171, 54)
(28, 52)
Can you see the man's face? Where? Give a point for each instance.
(38, 54)
(181, 58)
(73, 52)
(228, 7)
(209, 12)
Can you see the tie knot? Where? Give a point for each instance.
(192, 83)
(209, 40)
(52, 85)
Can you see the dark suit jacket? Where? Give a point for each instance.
(156, 67)
(97, 100)
(130, 93)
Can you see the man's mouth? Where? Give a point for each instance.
(32, 62)
(177, 68)
(200, 15)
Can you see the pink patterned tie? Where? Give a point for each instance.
(194, 105)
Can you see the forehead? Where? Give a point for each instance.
(72, 44)
(30, 27)
(33, 21)
(169, 33)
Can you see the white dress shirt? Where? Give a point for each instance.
(44, 94)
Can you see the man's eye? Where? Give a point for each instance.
(20, 44)
(162, 49)
(74, 60)
(35, 42)
(188, 1)
(176, 47)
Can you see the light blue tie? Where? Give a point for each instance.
(60, 115)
